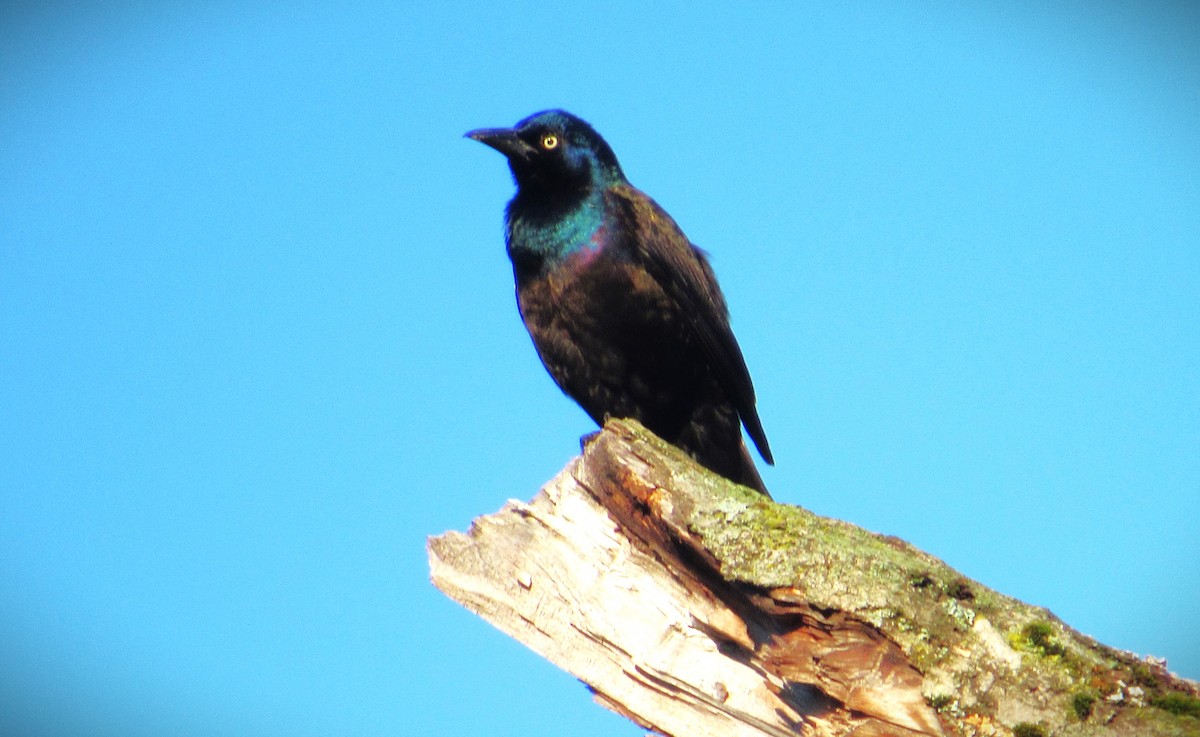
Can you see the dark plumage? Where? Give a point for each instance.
(624, 311)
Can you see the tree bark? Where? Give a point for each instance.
(695, 607)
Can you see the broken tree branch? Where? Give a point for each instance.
(697, 607)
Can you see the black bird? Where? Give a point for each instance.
(624, 311)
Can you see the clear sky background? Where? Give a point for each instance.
(258, 336)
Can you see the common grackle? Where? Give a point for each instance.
(623, 309)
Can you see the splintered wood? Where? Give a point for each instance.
(558, 576)
(697, 608)
(627, 616)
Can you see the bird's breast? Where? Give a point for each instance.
(596, 295)
(585, 252)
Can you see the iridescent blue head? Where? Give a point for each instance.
(554, 153)
(562, 168)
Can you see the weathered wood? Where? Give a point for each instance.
(696, 607)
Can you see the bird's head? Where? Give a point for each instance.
(554, 152)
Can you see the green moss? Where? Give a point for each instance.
(1025, 729)
(1144, 677)
(940, 701)
(961, 590)
(1038, 636)
(920, 580)
(1082, 703)
(1178, 704)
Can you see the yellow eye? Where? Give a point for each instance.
(549, 141)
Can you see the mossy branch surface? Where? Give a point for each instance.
(867, 624)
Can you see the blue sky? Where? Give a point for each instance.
(259, 338)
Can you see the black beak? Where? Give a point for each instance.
(504, 140)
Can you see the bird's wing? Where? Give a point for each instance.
(683, 270)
